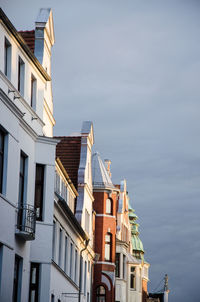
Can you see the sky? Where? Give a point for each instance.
(133, 68)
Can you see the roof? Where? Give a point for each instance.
(68, 150)
(23, 44)
(100, 177)
(29, 38)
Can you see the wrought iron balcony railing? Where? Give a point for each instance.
(26, 221)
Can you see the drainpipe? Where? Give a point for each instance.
(80, 274)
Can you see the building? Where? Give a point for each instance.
(105, 206)
(26, 173)
(73, 254)
(120, 274)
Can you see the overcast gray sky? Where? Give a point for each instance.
(133, 68)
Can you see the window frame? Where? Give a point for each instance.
(17, 278)
(99, 294)
(108, 243)
(34, 286)
(109, 207)
(7, 58)
(21, 76)
(133, 278)
(2, 154)
(117, 265)
(33, 98)
(39, 184)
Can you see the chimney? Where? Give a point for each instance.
(107, 165)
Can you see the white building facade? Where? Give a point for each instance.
(27, 159)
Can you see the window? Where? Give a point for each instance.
(66, 254)
(75, 265)
(21, 72)
(109, 206)
(33, 91)
(87, 221)
(52, 298)
(39, 188)
(132, 278)
(71, 260)
(108, 243)
(17, 279)
(34, 282)
(7, 58)
(22, 187)
(88, 297)
(60, 248)
(85, 278)
(2, 139)
(117, 263)
(100, 294)
(124, 267)
(54, 240)
(1, 259)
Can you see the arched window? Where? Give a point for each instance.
(109, 206)
(100, 294)
(108, 246)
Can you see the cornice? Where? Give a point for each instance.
(20, 40)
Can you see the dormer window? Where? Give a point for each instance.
(109, 206)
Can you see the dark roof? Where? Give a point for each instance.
(29, 38)
(68, 150)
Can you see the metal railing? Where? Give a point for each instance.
(27, 220)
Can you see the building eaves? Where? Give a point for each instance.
(62, 203)
(23, 44)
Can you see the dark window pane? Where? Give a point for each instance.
(39, 184)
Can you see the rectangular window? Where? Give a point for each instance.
(22, 187)
(34, 282)
(87, 221)
(117, 263)
(71, 260)
(132, 278)
(52, 298)
(33, 91)
(54, 241)
(75, 265)
(124, 267)
(66, 254)
(2, 139)
(1, 260)
(7, 58)
(17, 281)
(39, 189)
(85, 278)
(60, 249)
(108, 247)
(21, 73)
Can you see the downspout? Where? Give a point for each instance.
(80, 275)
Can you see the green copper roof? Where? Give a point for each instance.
(137, 246)
(137, 243)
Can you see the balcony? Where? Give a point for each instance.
(26, 220)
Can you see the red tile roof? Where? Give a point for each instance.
(29, 38)
(68, 150)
